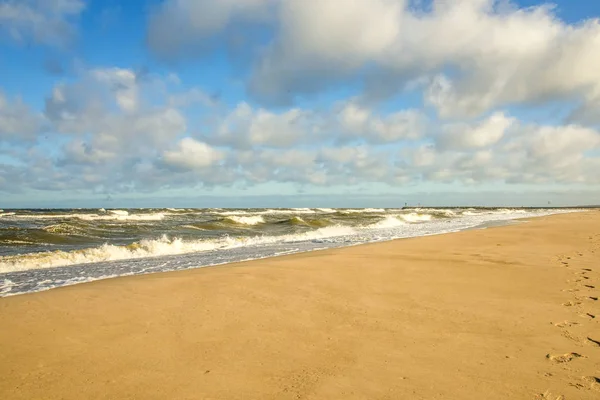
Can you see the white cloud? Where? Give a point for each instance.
(178, 26)
(105, 104)
(501, 55)
(43, 21)
(320, 42)
(18, 121)
(191, 154)
(359, 122)
(528, 153)
(483, 134)
(123, 83)
(347, 121)
(245, 126)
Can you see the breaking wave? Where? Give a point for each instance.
(155, 247)
(253, 220)
(361, 211)
(388, 222)
(113, 215)
(416, 217)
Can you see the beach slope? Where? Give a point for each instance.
(501, 313)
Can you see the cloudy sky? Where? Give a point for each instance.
(188, 103)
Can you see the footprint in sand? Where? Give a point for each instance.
(593, 381)
(587, 269)
(593, 342)
(565, 324)
(571, 303)
(587, 315)
(563, 358)
(549, 396)
(570, 336)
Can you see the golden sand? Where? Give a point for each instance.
(501, 313)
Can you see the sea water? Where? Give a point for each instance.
(45, 249)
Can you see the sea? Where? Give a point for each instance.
(42, 249)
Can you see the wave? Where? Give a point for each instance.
(63, 229)
(110, 216)
(286, 211)
(443, 213)
(6, 214)
(163, 246)
(252, 220)
(416, 217)
(121, 213)
(388, 222)
(238, 212)
(296, 221)
(361, 210)
(192, 227)
(6, 286)
(312, 222)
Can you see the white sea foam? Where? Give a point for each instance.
(326, 210)
(362, 210)
(156, 247)
(252, 220)
(393, 226)
(6, 214)
(237, 212)
(415, 217)
(121, 213)
(192, 227)
(447, 213)
(118, 216)
(388, 222)
(6, 286)
(287, 212)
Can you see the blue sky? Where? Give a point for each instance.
(298, 103)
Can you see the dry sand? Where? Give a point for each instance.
(502, 313)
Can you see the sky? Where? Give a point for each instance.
(294, 103)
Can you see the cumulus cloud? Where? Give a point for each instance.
(119, 129)
(527, 153)
(105, 105)
(122, 83)
(320, 42)
(344, 122)
(501, 55)
(179, 26)
(191, 154)
(359, 122)
(41, 21)
(17, 121)
(472, 136)
(245, 127)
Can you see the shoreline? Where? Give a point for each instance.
(171, 258)
(505, 311)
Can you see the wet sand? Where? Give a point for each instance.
(502, 313)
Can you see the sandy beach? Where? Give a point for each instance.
(502, 313)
